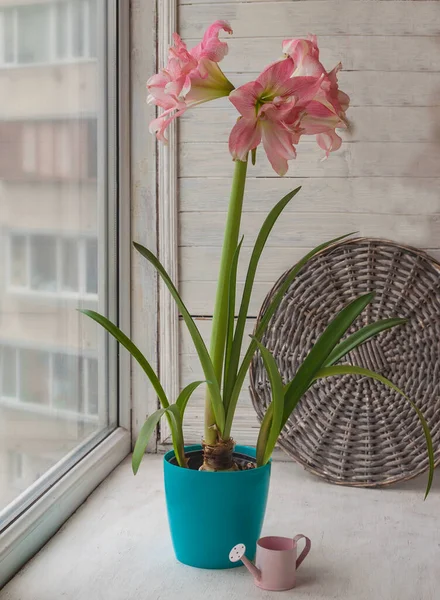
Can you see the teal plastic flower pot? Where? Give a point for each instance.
(209, 513)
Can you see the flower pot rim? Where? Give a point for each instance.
(198, 447)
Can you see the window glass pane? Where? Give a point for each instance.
(79, 32)
(93, 30)
(53, 230)
(92, 386)
(61, 26)
(46, 149)
(66, 388)
(63, 150)
(91, 266)
(43, 263)
(69, 265)
(15, 465)
(18, 261)
(33, 33)
(8, 374)
(34, 376)
(29, 149)
(9, 35)
(92, 144)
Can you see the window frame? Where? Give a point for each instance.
(28, 531)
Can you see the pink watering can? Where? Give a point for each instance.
(276, 561)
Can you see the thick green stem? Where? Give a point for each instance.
(219, 322)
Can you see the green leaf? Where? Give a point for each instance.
(147, 430)
(152, 421)
(247, 292)
(133, 349)
(268, 313)
(263, 435)
(231, 313)
(354, 370)
(185, 394)
(205, 360)
(174, 417)
(321, 351)
(276, 385)
(361, 336)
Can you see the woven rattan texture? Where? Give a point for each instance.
(354, 430)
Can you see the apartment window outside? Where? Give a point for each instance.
(58, 396)
(48, 32)
(45, 263)
(58, 381)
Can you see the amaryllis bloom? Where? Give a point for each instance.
(271, 109)
(305, 56)
(190, 77)
(327, 110)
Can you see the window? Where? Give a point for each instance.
(58, 181)
(49, 378)
(48, 32)
(52, 264)
(58, 149)
(43, 263)
(8, 370)
(32, 33)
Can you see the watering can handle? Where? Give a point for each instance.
(306, 550)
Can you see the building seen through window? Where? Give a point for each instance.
(50, 232)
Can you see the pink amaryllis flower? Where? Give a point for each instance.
(271, 108)
(327, 110)
(292, 97)
(189, 78)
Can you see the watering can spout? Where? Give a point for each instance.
(251, 568)
(237, 553)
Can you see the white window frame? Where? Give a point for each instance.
(168, 228)
(30, 529)
(145, 211)
(52, 58)
(155, 224)
(28, 290)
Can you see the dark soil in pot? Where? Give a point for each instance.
(195, 460)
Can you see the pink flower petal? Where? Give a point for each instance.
(305, 56)
(329, 141)
(277, 138)
(245, 98)
(319, 118)
(276, 75)
(211, 47)
(189, 78)
(275, 143)
(278, 82)
(244, 137)
(159, 125)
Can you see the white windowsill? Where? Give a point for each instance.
(30, 531)
(366, 544)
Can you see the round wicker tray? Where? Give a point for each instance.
(353, 430)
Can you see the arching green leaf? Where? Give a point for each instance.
(205, 360)
(354, 370)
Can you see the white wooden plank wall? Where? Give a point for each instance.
(384, 182)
